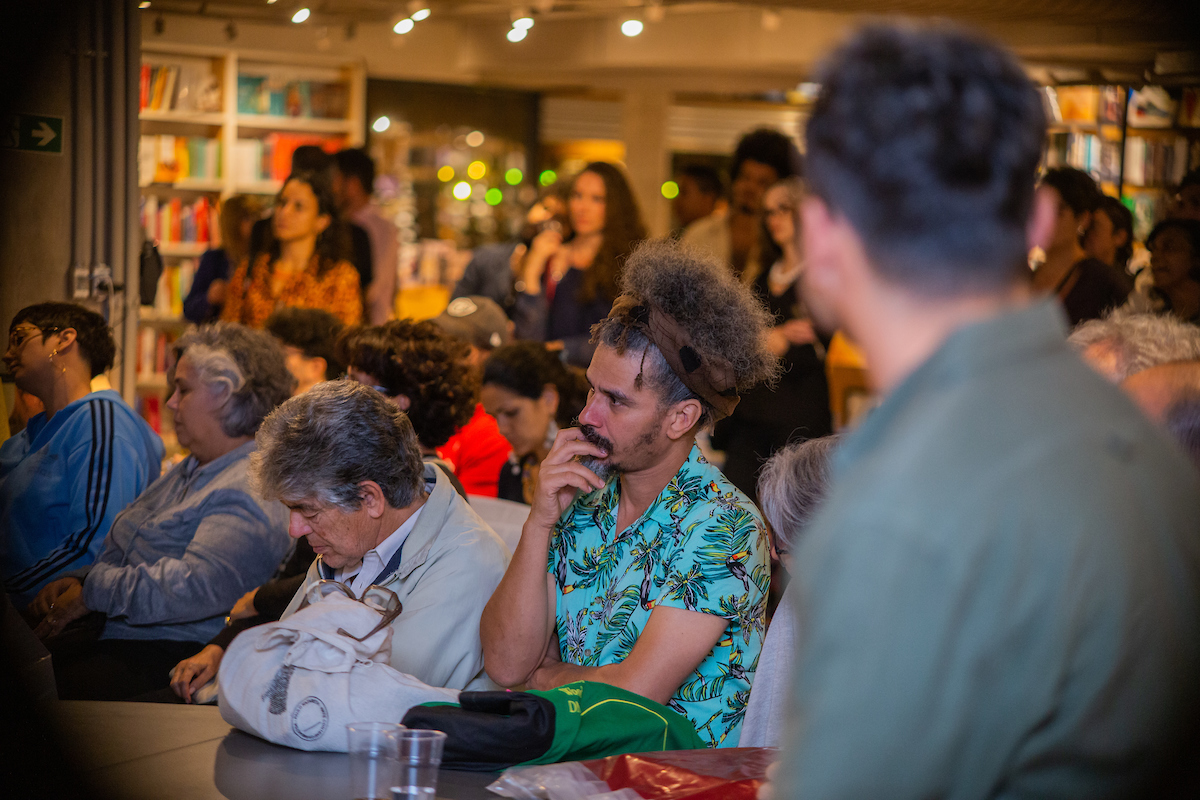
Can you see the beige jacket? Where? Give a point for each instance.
(451, 564)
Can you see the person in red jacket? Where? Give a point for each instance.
(478, 451)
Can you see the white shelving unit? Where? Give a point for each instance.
(228, 125)
(220, 68)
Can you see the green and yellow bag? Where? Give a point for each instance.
(497, 730)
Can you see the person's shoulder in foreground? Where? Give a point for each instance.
(1007, 561)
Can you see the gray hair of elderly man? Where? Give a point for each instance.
(324, 443)
(792, 485)
(247, 364)
(1124, 343)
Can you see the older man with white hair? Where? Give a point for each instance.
(1123, 343)
(346, 464)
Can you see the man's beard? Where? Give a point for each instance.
(604, 468)
(608, 466)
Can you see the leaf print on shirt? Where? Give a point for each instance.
(727, 547)
(747, 617)
(646, 555)
(688, 587)
(617, 623)
(576, 638)
(681, 494)
(596, 566)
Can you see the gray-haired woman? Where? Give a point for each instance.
(790, 488)
(179, 557)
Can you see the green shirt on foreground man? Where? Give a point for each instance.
(975, 591)
(1001, 596)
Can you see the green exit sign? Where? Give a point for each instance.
(32, 132)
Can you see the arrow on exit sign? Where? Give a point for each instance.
(32, 132)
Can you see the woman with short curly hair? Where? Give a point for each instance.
(422, 371)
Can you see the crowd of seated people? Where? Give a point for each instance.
(1003, 555)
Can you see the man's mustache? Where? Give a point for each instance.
(589, 433)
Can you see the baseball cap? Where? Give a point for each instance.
(475, 319)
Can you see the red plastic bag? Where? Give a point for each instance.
(733, 773)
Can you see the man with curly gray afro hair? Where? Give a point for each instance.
(658, 566)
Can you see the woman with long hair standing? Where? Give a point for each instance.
(567, 285)
(304, 265)
(768, 417)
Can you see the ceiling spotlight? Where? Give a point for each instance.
(517, 34)
(772, 20)
(404, 26)
(631, 27)
(524, 23)
(144, 4)
(420, 14)
(474, 139)
(271, 2)
(301, 15)
(380, 125)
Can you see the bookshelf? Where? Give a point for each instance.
(214, 123)
(1137, 142)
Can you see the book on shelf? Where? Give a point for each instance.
(1085, 151)
(173, 286)
(1151, 107)
(164, 158)
(186, 84)
(1112, 106)
(1189, 108)
(270, 158)
(172, 221)
(153, 350)
(1155, 162)
(1147, 209)
(304, 99)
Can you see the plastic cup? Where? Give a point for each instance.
(374, 766)
(420, 758)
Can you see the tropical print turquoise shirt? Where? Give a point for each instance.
(700, 546)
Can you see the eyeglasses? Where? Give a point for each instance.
(376, 598)
(785, 210)
(19, 336)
